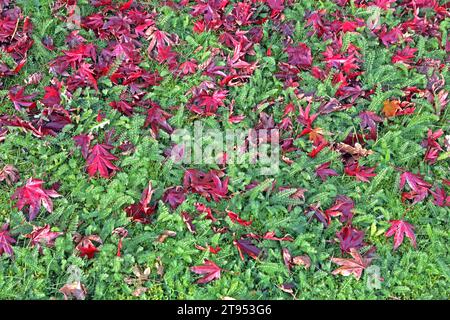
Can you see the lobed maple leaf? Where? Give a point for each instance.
(398, 229)
(300, 56)
(235, 218)
(83, 141)
(85, 245)
(6, 240)
(419, 187)
(360, 172)
(350, 237)
(210, 271)
(441, 199)
(9, 174)
(201, 208)
(369, 121)
(99, 161)
(174, 196)
(42, 236)
(323, 171)
(142, 211)
(353, 266)
(343, 207)
(17, 97)
(245, 246)
(277, 5)
(33, 195)
(157, 119)
(207, 185)
(52, 97)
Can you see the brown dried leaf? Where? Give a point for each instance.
(302, 261)
(167, 233)
(74, 290)
(357, 151)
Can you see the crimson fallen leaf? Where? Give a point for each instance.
(210, 271)
(43, 236)
(398, 229)
(245, 246)
(354, 266)
(6, 241)
(33, 194)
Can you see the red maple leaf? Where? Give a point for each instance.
(42, 236)
(414, 181)
(350, 237)
(141, 211)
(85, 246)
(99, 160)
(6, 240)
(300, 56)
(323, 171)
(157, 119)
(270, 235)
(404, 55)
(174, 196)
(52, 97)
(353, 266)
(33, 195)
(209, 269)
(369, 121)
(235, 218)
(245, 246)
(360, 172)
(441, 199)
(83, 141)
(398, 229)
(201, 208)
(342, 207)
(276, 4)
(208, 184)
(419, 187)
(17, 97)
(9, 174)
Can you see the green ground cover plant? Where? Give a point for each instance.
(94, 205)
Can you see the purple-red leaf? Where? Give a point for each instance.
(99, 161)
(398, 229)
(210, 271)
(6, 241)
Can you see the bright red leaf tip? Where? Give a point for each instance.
(398, 229)
(353, 266)
(33, 195)
(210, 271)
(6, 240)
